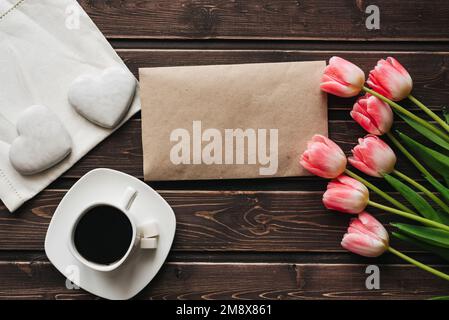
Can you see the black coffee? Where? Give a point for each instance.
(103, 235)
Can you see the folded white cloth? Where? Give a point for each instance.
(45, 45)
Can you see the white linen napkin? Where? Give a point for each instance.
(44, 46)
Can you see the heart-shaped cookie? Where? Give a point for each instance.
(103, 99)
(42, 141)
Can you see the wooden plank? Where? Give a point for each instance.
(253, 257)
(413, 20)
(429, 70)
(39, 280)
(123, 151)
(275, 221)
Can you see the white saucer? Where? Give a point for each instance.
(141, 267)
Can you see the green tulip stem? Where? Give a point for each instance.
(404, 111)
(378, 191)
(430, 113)
(423, 189)
(410, 216)
(419, 264)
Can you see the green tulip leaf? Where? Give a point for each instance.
(443, 216)
(415, 199)
(424, 131)
(442, 252)
(434, 159)
(432, 236)
(439, 187)
(440, 298)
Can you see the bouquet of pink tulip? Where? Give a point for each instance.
(388, 83)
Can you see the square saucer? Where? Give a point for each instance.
(139, 269)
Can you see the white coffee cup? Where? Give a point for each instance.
(144, 236)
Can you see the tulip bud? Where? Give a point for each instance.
(374, 115)
(373, 156)
(342, 78)
(390, 79)
(366, 236)
(346, 194)
(323, 157)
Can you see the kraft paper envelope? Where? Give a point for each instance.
(230, 121)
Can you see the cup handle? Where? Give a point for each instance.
(149, 233)
(128, 198)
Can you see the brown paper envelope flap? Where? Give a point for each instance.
(182, 103)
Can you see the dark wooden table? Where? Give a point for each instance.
(246, 239)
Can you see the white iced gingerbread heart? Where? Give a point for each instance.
(103, 99)
(42, 141)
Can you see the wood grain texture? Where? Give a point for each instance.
(216, 221)
(430, 70)
(39, 280)
(413, 20)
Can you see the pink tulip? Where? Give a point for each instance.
(390, 79)
(366, 236)
(374, 115)
(323, 157)
(373, 156)
(342, 78)
(346, 194)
